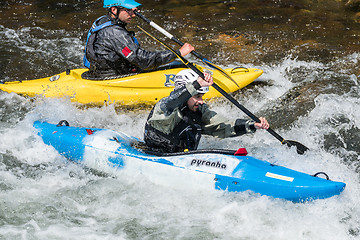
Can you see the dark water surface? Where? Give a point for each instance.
(240, 31)
(309, 92)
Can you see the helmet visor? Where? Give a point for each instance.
(130, 4)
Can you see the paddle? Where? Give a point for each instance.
(300, 148)
(170, 36)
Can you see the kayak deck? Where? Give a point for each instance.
(142, 88)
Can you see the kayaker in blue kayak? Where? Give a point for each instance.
(176, 122)
(111, 50)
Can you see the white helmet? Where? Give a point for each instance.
(188, 76)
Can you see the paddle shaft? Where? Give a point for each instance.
(300, 147)
(236, 103)
(196, 54)
(167, 34)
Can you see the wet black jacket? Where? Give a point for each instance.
(171, 126)
(117, 52)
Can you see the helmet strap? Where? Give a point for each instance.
(117, 12)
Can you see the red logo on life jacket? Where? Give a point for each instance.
(126, 51)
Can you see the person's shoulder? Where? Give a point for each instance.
(119, 28)
(103, 19)
(115, 31)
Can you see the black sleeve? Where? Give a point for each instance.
(243, 126)
(177, 98)
(126, 47)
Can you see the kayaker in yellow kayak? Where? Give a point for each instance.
(176, 122)
(111, 50)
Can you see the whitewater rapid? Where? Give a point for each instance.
(44, 196)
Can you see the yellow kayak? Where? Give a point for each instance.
(143, 88)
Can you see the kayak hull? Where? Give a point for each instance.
(143, 88)
(106, 149)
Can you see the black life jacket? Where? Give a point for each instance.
(186, 135)
(90, 56)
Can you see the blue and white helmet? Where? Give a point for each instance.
(129, 4)
(188, 76)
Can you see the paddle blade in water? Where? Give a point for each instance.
(300, 148)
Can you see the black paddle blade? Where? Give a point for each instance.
(300, 148)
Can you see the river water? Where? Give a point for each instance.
(309, 92)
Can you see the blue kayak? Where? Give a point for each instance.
(228, 170)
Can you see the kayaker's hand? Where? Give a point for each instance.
(207, 82)
(263, 124)
(186, 49)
